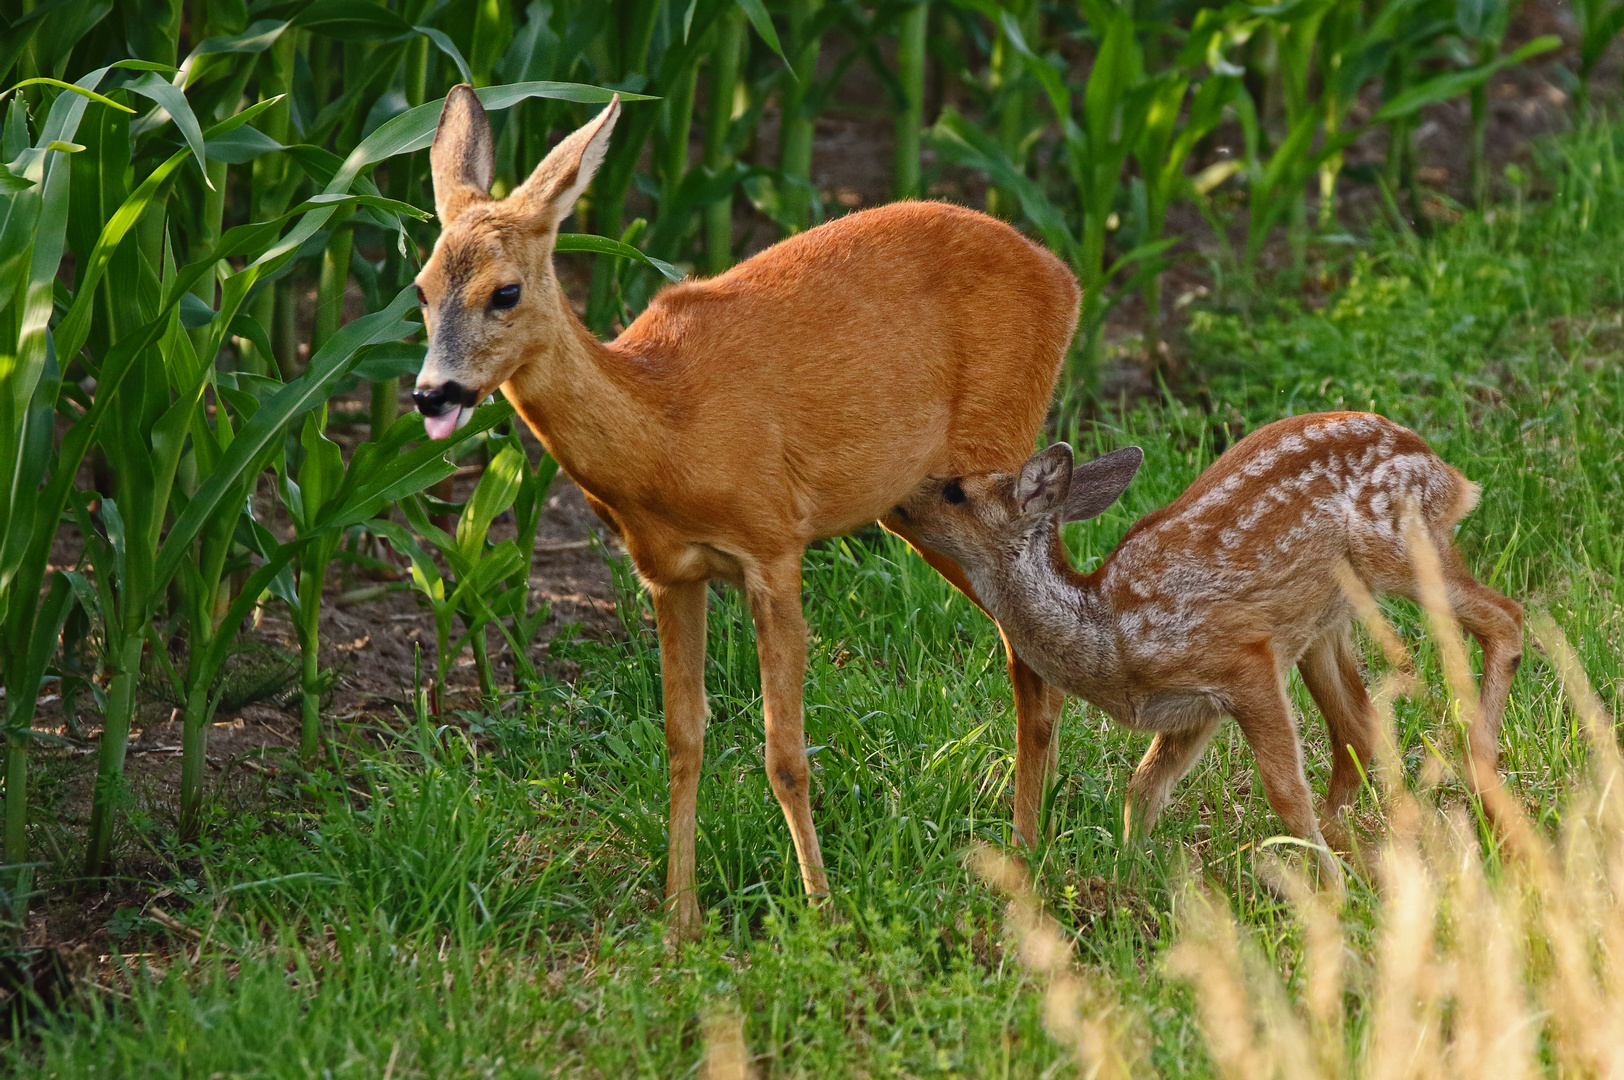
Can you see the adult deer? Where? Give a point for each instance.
(1208, 601)
(800, 395)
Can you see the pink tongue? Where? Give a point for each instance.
(438, 427)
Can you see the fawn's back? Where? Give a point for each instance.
(1251, 546)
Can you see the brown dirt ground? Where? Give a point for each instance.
(371, 645)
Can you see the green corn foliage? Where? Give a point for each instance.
(487, 580)
(185, 412)
(1599, 23)
(723, 87)
(795, 128)
(911, 73)
(324, 496)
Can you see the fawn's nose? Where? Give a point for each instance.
(439, 400)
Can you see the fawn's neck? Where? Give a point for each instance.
(1058, 620)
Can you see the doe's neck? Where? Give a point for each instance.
(584, 401)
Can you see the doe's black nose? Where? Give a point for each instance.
(440, 400)
(431, 402)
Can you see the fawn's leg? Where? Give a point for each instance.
(1037, 704)
(1259, 704)
(1330, 670)
(1170, 757)
(1496, 622)
(679, 614)
(774, 592)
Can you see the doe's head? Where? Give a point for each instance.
(987, 517)
(488, 290)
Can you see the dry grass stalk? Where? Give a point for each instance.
(1076, 1015)
(1402, 681)
(1251, 1030)
(1510, 969)
(1581, 904)
(1364, 605)
(1498, 804)
(1434, 596)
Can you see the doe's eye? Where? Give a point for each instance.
(505, 297)
(952, 492)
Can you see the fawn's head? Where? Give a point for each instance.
(488, 289)
(985, 519)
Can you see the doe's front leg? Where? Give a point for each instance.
(774, 593)
(679, 614)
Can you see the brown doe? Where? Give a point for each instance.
(1208, 601)
(800, 395)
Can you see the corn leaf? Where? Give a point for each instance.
(1444, 87)
(756, 12)
(330, 364)
(170, 100)
(603, 245)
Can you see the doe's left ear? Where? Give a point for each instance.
(1096, 484)
(1044, 480)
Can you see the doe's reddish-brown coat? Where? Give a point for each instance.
(805, 392)
(800, 395)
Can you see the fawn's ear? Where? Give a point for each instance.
(1044, 480)
(551, 191)
(1097, 484)
(462, 159)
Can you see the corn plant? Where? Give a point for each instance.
(517, 621)
(1482, 25)
(720, 165)
(1099, 133)
(324, 496)
(1327, 52)
(1175, 122)
(911, 44)
(1599, 23)
(34, 195)
(806, 32)
(184, 443)
(487, 580)
(135, 558)
(659, 50)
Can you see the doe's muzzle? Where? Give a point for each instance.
(445, 408)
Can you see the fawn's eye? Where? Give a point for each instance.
(953, 493)
(422, 301)
(505, 297)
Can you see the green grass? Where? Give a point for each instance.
(485, 902)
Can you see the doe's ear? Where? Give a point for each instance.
(1044, 480)
(1097, 484)
(552, 189)
(462, 159)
